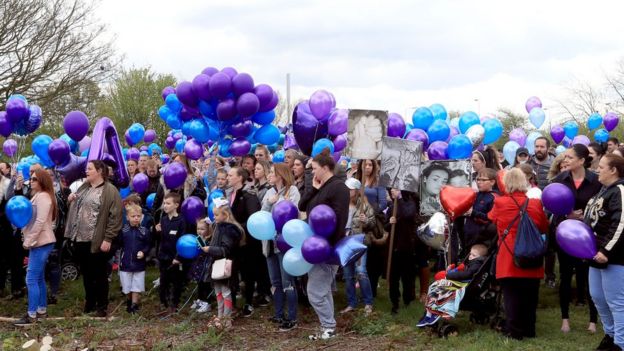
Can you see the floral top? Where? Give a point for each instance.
(88, 205)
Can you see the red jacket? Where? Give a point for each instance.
(503, 212)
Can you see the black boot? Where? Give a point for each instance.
(606, 344)
(129, 306)
(134, 308)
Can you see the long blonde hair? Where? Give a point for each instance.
(229, 218)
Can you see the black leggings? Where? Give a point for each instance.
(569, 266)
(520, 297)
(403, 269)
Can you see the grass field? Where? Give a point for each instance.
(188, 331)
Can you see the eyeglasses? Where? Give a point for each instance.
(483, 179)
(34, 179)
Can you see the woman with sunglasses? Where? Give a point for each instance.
(39, 239)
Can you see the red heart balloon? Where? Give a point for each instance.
(456, 201)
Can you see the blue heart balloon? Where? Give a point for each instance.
(19, 210)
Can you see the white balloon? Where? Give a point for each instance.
(476, 133)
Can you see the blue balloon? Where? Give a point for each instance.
(267, 135)
(40, 148)
(164, 112)
(294, 263)
(438, 111)
(252, 151)
(278, 157)
(211, 211)
(560, 149)
(493, 130)
(467, 120)
(321, 145)
(224, 148)
(174, 122)
(199, 130)
(601, 135)
(124, 192)
(594, 121)
(143, 153)
(537, 116)
(264, 118)
(73, 145)
(207, 110)
(187, 245)
(571, 129)
(408, 127)
(261, 225)
(459, 147)
(438, 130)
(281, 140)
(186, 128)
(509, 151)
(164, 158)
(149, 201)
(215, 194)
(124, 153)
(173, 103)
(272, 148)
(136, 132)
(422, 118)
(295, 232)
(153, 147)
(19, 210)
(179, 145)
(85, 153)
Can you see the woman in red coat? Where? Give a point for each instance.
(520, 286)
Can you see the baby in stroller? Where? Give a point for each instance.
(447, 291)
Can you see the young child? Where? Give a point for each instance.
(135, 242)
(200, 271)
(170, 229)
(226, 237)
(478, 229)
(221, 180)
(446, 293)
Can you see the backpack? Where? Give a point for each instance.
(530, 246)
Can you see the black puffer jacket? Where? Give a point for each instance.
(605, 216)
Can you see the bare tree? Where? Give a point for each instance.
(584, 100)
(615, 84)
(51, 49)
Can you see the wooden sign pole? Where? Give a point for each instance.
(391, 241)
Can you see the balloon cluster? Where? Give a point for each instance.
(318, 125)
(567, 134)
(445, 139)
(304, 244)
(224, 107)
(19, 117)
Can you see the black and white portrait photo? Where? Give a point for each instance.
(435, 175)
(365, 133)
(400, 164)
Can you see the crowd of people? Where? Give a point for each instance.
(92, 221)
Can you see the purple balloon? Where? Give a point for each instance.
(76, 125)
(291, 143)
(17, 110)
(336, 156)
(338, 122)
(133, 154)
(610, 121)
(230, 72)
(566, 142)
(283, 212)
(140, 183)
(519, 136)
(418, 135)
(320, 104)
(193, 209)
(532, 103)
(241, 129)
(128, 139)
(271, 104)
(247, 104)
(322, 220)
(59, 151)
(220, 85)
(174, 175)
(149, 136)
(143, 148)
(264, 93)
(188, 113)
(242, 83)
(165, 158)
(166, 91)
(281, 244)
(9, 147)
(396, 125)
(74, 169)
(226, 109)
(315, 249)
(105, 137)
(576, 239)
(239, 147)
(437, 150)
(306, 128)
(84, 144)
(186, 94)
(581, 139)
(201, 86)
(340, 142)
(558, 199)
(193, 149)
(34, 120)
(557, 133)
(170, 142)
(5, 125)
(210, 71)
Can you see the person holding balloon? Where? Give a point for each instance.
(39, 240)
(520, 286)
(584, 185)
(604, 215)
(93, 222)
(329, 190)
(283, 284)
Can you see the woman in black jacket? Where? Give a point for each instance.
(584, 185)
(606, 275)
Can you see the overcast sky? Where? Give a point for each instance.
(390, 55)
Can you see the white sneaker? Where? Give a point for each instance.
(156, 283)
(325, 334)
(204, 307)
(195, 304)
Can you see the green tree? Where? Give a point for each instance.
(135, 97)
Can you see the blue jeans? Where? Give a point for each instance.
(606, 287)
(353, 271)
(283, 287)
(35, 278)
